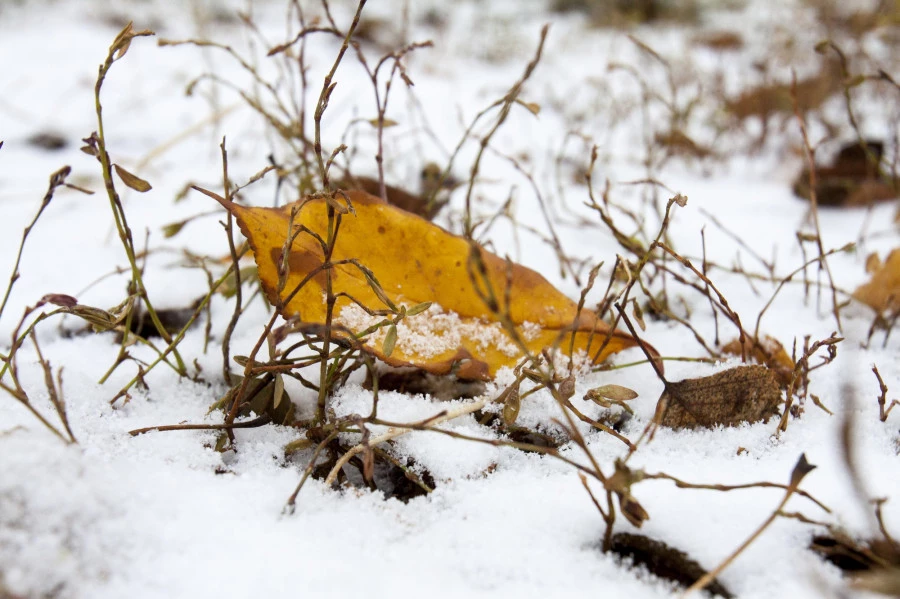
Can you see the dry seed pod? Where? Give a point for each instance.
(511, 404)
(740, 394)
(608, 395)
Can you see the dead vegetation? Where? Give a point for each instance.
(339, 305)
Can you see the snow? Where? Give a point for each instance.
(164, 515)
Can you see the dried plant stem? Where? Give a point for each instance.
(236, 268)
(23, 399)
(116, 51)
(381, 105)
(54, 388)
(175, 340)
(254, 423)
(505, 106)
(789, 277)
(291, 502)
(327, 88)
(56, 179)
(800, 470)
(719, 487)
(814, 202)
(333, 219)
(883, 412)
(330, 299)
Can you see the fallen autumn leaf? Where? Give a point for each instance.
(414, 262)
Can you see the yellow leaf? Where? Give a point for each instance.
(414, 262)
(882, 293)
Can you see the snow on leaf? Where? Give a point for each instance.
(401, 259)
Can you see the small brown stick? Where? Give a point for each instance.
(238, 299)
(325, 94)
(801, 469)
(790, 276)
(96, 146)
(814, 202)
(712, 304)
(653, 359)
(54, 390)
(719, 487)
(57, 179)
(505, 106)
(290, 506)
(256, 422)
(801, 373)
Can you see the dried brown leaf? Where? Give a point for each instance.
(663, 561)
(728, 398)
(768, 352)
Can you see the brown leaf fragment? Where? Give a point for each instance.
(728, 398)
(48, 140)
(122, 42)
(873, 263)
(663, 561)
(801, 469)
(131, 180)
(567, 387)
(851, 555)
(427, 203)
(679, 144)
(262, 400)
(720, 41)
(778, 98)
(768, 351)
(882, 292)
(385, 123)
(853, 179)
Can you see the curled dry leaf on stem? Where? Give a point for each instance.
(385, 258)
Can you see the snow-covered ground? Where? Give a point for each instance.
(165, 515)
